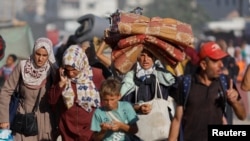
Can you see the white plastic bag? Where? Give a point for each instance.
(5, 135)
(156, 125)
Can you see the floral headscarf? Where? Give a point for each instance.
(87, 94)
(32, 75)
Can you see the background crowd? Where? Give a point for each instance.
(86, 94)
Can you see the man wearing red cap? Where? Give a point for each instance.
(204, 104)
(211, 50)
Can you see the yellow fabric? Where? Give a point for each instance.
(177, 71)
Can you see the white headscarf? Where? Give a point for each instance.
(32, 75)
(87, 94)
(47, 44)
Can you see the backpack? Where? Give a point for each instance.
(187, 85)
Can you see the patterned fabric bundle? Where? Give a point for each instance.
(168, 39)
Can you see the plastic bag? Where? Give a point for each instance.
(5, 135)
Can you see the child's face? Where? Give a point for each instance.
(110, 102)
(10, 61)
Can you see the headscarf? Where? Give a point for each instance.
(142, 74)
(87, 94)
(33, 76)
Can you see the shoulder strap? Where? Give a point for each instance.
(224, 83)
(37, 101)
(186, 88)
(157, 87)
(112, 116)
(224, 86)
(18, 87)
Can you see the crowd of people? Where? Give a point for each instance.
(83, 96)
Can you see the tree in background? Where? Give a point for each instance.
(183, 10)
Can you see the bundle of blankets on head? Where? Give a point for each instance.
(168, 39)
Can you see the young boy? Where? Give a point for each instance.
(115, 120)
(7, 68)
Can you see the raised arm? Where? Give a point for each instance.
(56, 89)
(235, 100)
(103, 58)
(245, 83)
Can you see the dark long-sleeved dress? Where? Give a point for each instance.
(74, 123)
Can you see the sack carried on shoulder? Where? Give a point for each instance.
(155, 126)
(25, 124)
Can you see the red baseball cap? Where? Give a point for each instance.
(211, 50)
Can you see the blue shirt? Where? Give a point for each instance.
(125, 113)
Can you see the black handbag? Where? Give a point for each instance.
(26, 124)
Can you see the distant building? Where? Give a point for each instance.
(72, 9)
(128, 5)
(219, 9)
(216, 9)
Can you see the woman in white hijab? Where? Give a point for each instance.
(32, 76)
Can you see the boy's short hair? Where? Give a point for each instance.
(110, 86)
(14, 57)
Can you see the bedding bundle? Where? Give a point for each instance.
(168, 39)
